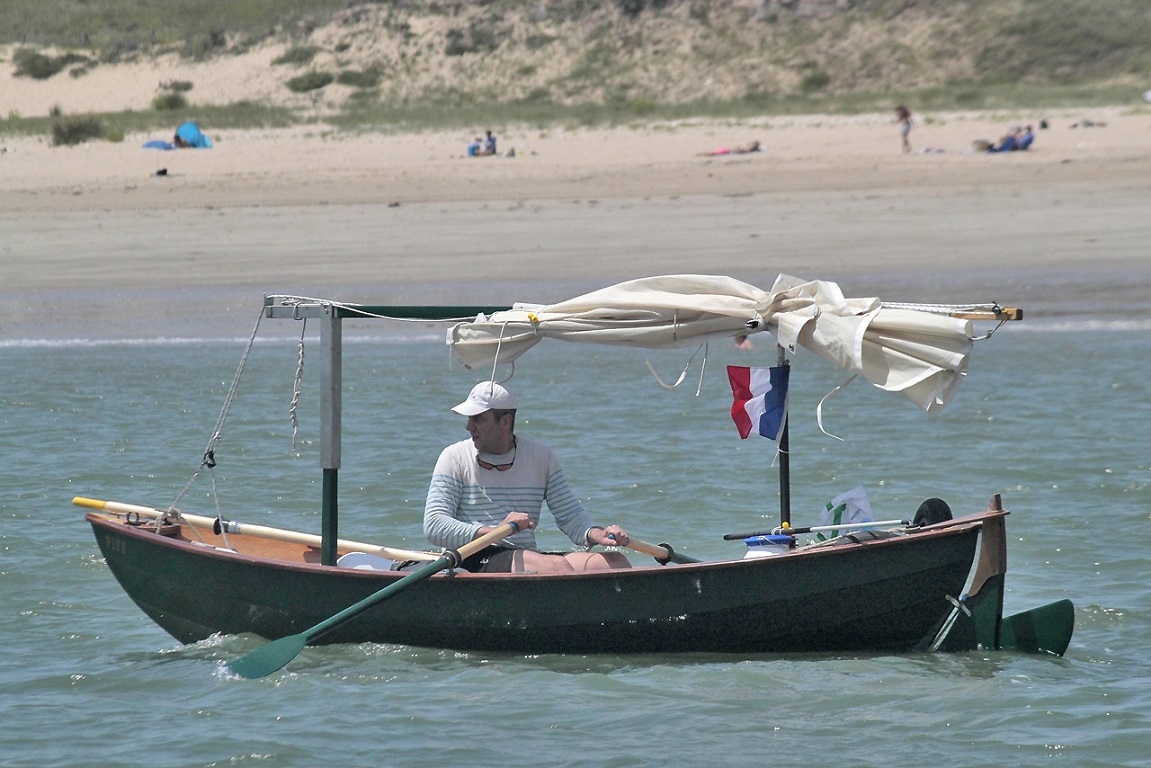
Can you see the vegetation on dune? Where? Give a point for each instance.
(453, 62)
(171, 97)
(39, 66)
(310, 81)
(113, 126)
(76, 130)
(1072, 42)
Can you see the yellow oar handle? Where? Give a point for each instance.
(661, 552)
(656, 551)
(258, 531)
(491, 537)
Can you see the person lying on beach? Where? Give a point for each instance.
(740, 150)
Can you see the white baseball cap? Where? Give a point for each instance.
(484, 397)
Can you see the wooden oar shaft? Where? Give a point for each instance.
(258, 531)
(660, 552)
(654, 550)
(1003, 313)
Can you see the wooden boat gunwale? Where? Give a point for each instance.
(815, 551)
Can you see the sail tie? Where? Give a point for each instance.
(819, 407)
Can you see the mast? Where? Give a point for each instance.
(784, 456)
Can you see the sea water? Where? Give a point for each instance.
(1052, 417)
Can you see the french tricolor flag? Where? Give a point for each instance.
(760, 399)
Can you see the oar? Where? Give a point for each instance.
(815, 529)
(258, 531)
(663, 553)
(268, 658)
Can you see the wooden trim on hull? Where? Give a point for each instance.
(888, 595)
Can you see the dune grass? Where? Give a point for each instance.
(1031, 54)
(234, 116)
(434, 115)
(124, 28)
(370, 115)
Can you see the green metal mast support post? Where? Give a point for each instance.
(331, 381)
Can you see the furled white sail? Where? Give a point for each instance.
(921, 355)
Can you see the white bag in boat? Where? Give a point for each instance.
(849, 507)
(364, 561)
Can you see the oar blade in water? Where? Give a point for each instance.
(270, 657)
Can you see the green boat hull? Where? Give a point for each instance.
(889, 595)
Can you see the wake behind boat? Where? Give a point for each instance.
(899, 587)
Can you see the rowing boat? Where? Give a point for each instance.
(933, 586)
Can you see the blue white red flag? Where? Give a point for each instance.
(760, 399)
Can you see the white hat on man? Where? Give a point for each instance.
(485, 396)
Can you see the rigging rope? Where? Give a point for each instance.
(683, 373)
(297, 386)
(991, 311)
(288, 300)
(209, 460)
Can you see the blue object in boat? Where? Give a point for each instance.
(778, 540)
(770, 544)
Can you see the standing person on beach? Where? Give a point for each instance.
(903, 115)
(498, 477)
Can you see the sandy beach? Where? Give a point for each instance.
(95, 244)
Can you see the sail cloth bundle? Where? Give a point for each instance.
(924, 356)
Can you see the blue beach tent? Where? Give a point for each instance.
(192, 136)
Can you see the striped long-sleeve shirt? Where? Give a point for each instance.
(463, 497)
